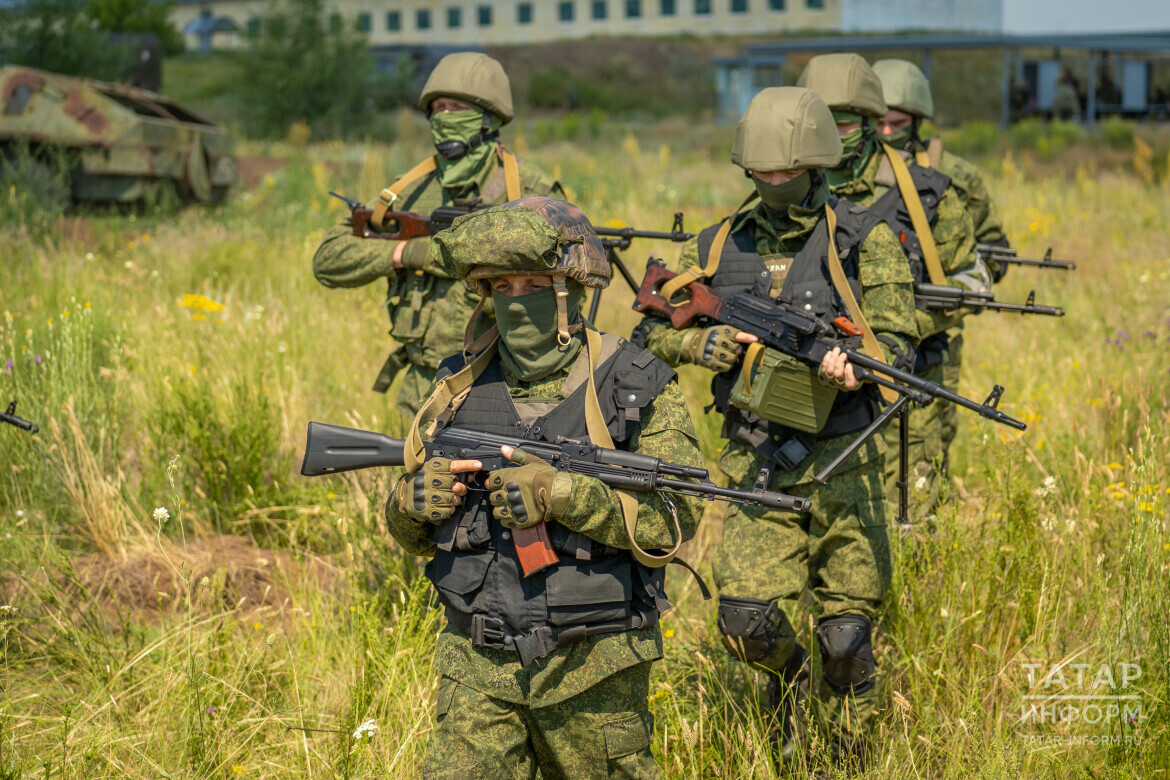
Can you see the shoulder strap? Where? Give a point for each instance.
(511, 174)
(387, 196)
(695, 273)
(917, 216)
(599, 435)
(841, 284)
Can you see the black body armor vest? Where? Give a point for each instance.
(594, 589)
(890, 208)
(809, 287)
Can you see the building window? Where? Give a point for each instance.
(364, 22)
(814, 5)
(633, 9)
(484, 12)
(565, 12)
(739, 6)
(335, 22)
(422, 19)
(524, 13)
(776, 5)
(393, 21)
(702, 7)
(599, 9)
(253, 27)
(454, 18)
(667, 8)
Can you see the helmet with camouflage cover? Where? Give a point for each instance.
(786, 128)
(905, 88)
(472, 78)
(847, 83)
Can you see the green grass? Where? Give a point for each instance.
(147, 649)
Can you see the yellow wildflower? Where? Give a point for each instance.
(200, 303)
(668, 633)
(198, 317)
(257, 626)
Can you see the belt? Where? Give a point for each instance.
(485, 631)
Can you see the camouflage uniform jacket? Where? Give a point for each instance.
(887, 297)
(666, 432)
(427, 310)
(953, 232)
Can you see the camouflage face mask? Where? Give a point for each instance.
(899, 139)
(454, 133)
(528, 331)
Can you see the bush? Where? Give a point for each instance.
(1118, 133)
(59, 36)
(976, 137)
(34, 185)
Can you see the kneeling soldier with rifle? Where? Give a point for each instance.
(545, 662)
(787, 420)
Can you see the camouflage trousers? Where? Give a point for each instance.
(839, 552)
(932, 429)
(603, 732)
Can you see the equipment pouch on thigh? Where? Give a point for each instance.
(846, 653)
(750, 627)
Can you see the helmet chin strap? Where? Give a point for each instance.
(816, 178)
(564, 329)
(453, 150)
(914, 140)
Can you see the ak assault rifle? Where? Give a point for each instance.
(945, 298)
(1000, 254)
(401, 225)
(614, 239)
(331, 450)
(11, 418)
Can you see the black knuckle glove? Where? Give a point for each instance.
(714, 348)
(428, 495)
(522, 497)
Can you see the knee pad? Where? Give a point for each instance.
(750, 627)
(846, 653)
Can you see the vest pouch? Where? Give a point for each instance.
(783, 390)
(411, 306)
(580, 593)
(458, 578)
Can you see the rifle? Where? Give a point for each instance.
(1001, 254)
(330, 449)
(946, 298)
(614, 239)
(402, 225)
(787, 329)
(11, 418)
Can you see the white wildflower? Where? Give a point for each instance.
(161, 515)
(367, 730)
(1047, 523)
(7, 610)
(920, 484)
(20, 513)
(1047, 488)
(1100, 560)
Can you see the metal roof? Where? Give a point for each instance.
(1141, 41)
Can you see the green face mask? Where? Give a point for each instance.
(459, 127)
(851, 166)
(528, 332)
(899, 138)
(778, 197)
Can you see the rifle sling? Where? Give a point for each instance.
(387, 196)
(695, 273)
(917, 216)
(841, 284)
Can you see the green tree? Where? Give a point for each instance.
(59, 36)
(151, 16)
(298, 70)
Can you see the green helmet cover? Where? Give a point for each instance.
(539, 236)
(472, 78)
(846, 82)
(905, 87)
(785, 128)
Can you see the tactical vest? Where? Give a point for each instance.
(890, 208)
(808, 286)
(594, 589)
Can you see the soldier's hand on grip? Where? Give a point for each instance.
(522, 497)
(715, 348)
(431, 494)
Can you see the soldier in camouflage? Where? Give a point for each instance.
(467, 98)
(907, 93)
(868, 177)
(548, 671)
(840, 551)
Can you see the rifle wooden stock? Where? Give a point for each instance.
(701, 303)
(409, 225)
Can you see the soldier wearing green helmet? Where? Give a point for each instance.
(926, 211)
(784, 247)
(907, 93)
(467, 99)
(549, 671)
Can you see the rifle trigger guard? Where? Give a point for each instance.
(993, 397)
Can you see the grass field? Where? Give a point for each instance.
(178, 602)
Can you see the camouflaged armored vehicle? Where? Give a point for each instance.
(122, 142)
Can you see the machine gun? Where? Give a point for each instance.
(614, 239)
(330, 449)
(11, 418)
(1001, 254)
(944, 298)
(401, 225)
(807, 338)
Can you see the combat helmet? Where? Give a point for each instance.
(786, 128)
(847, 83)
(540, 236)
(905, 88)
(472, 78)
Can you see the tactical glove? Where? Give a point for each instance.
(427, 495)
(524, 496)
(714, 348)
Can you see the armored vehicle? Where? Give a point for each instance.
(121, 142)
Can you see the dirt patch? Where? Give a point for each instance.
(254, 169)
